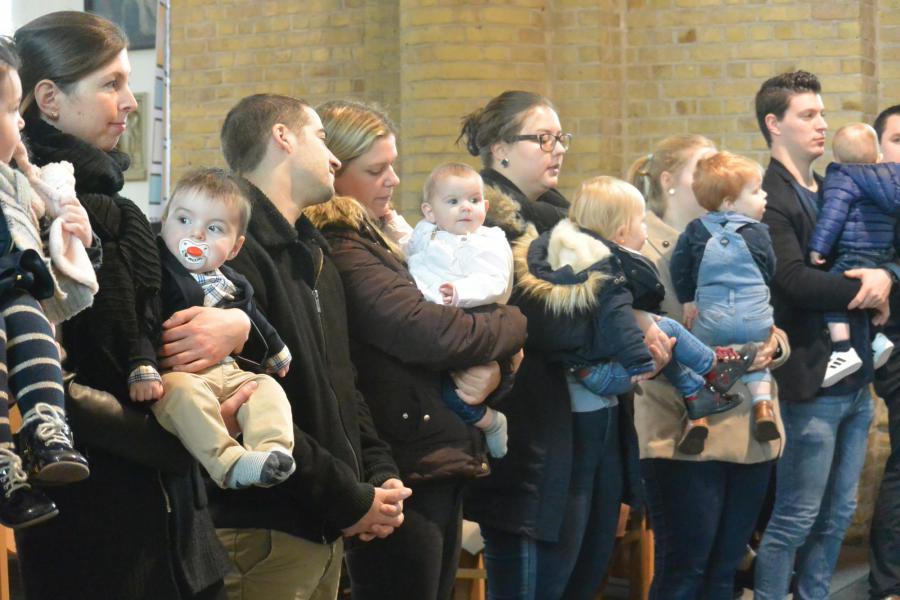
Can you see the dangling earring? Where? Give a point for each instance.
(504, 162)
(671, 191)
(53, 116)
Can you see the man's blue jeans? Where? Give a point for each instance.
(815, 494)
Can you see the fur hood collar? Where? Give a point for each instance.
(346, 213)
(560, 268)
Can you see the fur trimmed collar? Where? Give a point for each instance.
(556, 268)
(346, 213)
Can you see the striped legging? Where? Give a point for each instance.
(29, 360)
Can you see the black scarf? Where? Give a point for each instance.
(96, 171)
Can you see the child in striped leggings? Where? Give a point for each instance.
(30, 372)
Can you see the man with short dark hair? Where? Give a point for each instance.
(286, 541)
(884, 537)
(826, 429)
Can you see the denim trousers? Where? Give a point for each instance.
(884, 537)
(691, 359)
(815, 494)
(469, 413)
(571, 568)
(703, 514)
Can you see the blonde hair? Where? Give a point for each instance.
(855, 143)
(604, 204)
(442, 172)
(721, 177)
(670, 155)
(351, 127)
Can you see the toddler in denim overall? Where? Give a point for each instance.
(722, 280)
(858, 218)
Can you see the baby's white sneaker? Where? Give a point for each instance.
(882, 347)
(840, 365)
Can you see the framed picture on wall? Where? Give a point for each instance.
(132, 141)
(136, 17)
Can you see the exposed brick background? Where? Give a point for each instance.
(624, 74)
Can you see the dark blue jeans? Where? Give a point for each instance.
(470, 414)
(884, 537)
(691, 359)
(572, 567)
(702, 515)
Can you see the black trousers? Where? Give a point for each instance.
(419, 560)
(884, 539)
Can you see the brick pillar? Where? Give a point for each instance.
(453, 59)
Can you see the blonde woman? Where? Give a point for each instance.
(401, 342)
(703, 507)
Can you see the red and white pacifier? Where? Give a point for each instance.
(193, 252)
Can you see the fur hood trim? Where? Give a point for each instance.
(504, 212)
(345, 212)
(546, 268)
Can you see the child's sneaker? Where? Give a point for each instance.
(707, 402)
(765, 429)
(730, 365)
(693, 440)
(840, 365)
(45, 444)
(882, 347)
(21, 505)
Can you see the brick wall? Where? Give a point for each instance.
(624, 74)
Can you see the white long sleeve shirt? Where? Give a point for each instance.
(479, 265)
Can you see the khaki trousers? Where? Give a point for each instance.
(189, 408)
(273, 565)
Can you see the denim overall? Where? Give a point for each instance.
(732, 297)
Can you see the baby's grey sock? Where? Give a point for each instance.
(496, 434)
(247, 470)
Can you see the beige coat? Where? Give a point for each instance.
(659, 414)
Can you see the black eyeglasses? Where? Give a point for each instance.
(547, 141)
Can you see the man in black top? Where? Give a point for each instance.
(826, 429)
(286, 541)
(884, 558)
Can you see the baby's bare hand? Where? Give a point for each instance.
(144, 391)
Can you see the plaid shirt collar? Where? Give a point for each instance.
(216, 287)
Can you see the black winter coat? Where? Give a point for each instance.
(137, 528)
(401, 343)
(339, 455)
(802, 293)
(527, 490)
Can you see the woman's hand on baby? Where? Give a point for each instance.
(144, 391)
(690, 314)
(765, 352)
(475, 384)
(75, 221)
(660, 346)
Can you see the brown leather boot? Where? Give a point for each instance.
(693, 439)
(764, 420)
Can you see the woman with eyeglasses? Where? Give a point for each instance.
(521, 144)
(549, 511)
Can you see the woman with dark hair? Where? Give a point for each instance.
(137, 527)
(521, 144)
(401, 343)
(549, 510)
